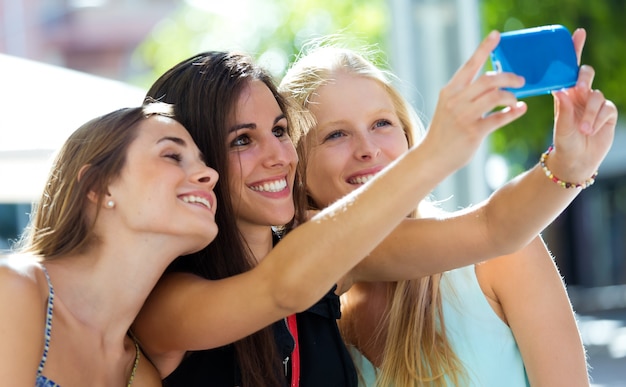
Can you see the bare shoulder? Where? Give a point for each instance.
(502, 277)
(23, 275)
(19, 269)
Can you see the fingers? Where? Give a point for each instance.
(504, 117)
(492, 84)
(589, 123)
(474, 64)
(599, 112)
(579, 36)
(586, 75)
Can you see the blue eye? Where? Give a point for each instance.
(381, 123)
(334, 135)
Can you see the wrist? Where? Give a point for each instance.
(559, 179)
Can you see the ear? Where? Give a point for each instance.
(92, 195)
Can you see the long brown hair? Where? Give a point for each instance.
(89, 160)
(204, 90)
(416, 350)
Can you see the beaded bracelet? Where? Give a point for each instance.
(564, 184)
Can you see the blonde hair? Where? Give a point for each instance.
(416, 348)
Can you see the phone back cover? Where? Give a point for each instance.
(544, 56)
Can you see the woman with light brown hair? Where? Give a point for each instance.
(128, 192)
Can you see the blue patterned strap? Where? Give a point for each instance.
(42, 381)
(48, 329)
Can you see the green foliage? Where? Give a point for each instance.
(605, 50)
(273, 31)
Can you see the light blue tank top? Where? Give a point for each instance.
(42, 381)
(480, 339)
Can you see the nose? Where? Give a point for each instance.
(278, 152)
(206, 175)
(366, 148)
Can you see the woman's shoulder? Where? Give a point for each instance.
(24, 275)
(20, 266)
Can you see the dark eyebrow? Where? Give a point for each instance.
(252, 125)
(181, 142)
(176, 140)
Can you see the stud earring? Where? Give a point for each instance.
(110, 204)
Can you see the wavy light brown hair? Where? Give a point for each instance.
(416, 352)
(89, 160)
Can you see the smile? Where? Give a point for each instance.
(197, 199)
(361, 179)
(272, 186)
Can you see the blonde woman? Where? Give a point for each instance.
(506, 321)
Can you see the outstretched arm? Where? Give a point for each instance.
(583, 132)
(186, 312)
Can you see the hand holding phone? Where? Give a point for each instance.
(544, 56)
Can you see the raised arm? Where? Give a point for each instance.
(186, 312)
(583, 133)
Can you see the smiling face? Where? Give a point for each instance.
(358, 133)
(165, 186)
(262, 160)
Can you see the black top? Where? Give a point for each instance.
(218, 367)
(324, 358)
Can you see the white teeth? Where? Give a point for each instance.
(361, 179)
(274, 186)
(197, 199)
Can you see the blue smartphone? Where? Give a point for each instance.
(544, 56)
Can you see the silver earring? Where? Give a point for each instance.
(110, 204)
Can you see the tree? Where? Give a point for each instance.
(273, 31)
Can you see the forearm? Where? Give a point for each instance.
(337, 238)
(520, 210)
(504, 223)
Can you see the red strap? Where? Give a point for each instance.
(295, 355)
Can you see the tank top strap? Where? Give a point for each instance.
(48, 327)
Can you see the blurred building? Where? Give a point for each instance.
(94, 36)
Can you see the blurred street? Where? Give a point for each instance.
(604, 335)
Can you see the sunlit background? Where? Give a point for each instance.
(64, 62)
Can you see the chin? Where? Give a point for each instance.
(205, 239)
(284, 218)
